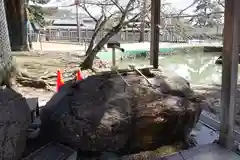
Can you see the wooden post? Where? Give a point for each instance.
(69, 37)
(133, 32)
(77, 2)
(155, 23)
(49, 35)
(113, 57)
(114, 66)
(143, 17)
(229, 72)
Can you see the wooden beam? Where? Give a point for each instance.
(143, 20)
(229, 72)
(155, 22)
(77, 2)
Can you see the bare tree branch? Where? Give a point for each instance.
(124, 14)
(98, 26)
(191, 5)
(83, 6)
(99, 22)
(116, 3)
(134, 18)
(221, 3)
(121, 19)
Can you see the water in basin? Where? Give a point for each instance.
(198, 68)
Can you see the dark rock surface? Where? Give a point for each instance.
(14, 121)
(102, 113)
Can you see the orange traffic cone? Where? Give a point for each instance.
(79, 75)
(60, 81)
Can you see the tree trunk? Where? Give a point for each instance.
(98, 26)
(16, 17)
(88, 62)
(91, 44)
(5, 49)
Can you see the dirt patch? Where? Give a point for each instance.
(44, 65)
